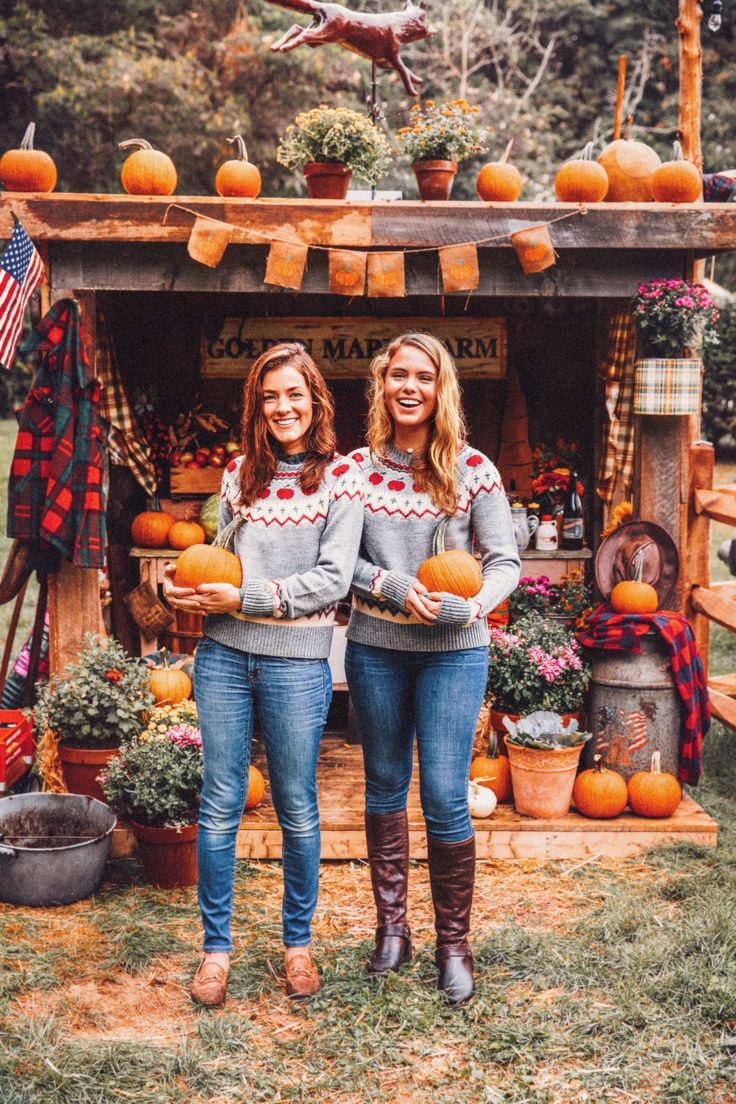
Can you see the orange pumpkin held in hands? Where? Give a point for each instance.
(183, 534)
(238, 177)
(493, 771)
(454, 571)
(256, 787)
(677, 181)
(498, 181)
(27, 169)
(147, 171)
(581, 180)
(169, 685)
(151, 528)
(632, 595)
(600, 793)
(654, 793)
(206, 563)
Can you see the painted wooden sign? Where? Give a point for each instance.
(344, 347)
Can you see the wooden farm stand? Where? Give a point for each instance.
(117, 256)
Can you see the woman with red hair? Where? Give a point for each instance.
(297, 513)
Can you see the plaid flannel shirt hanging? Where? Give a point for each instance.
(58, 477)
(617, 460)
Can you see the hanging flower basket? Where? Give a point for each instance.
(668, 386)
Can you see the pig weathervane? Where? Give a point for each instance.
(378, 36)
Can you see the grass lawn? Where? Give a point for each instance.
(609, 982)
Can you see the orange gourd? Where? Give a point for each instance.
(498, 181)
(147, 171)
(454, 571)
(630, 166)
(493, 771)
(207, 563)
(256, 787)
(677, 181)
(238, 177)
(183, 534)
(654, 793)
(170, 685)
(600, 793)
(632, 595)
(27, 169)
(581, 180)
(151, 528)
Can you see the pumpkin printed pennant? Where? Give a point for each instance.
(459, 267)
(533, 246)
(285, 265)
(208, 241)
(347, 271)
(386, 275)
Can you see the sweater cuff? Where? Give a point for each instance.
(396, 586)
(454, 610)
(258, 598)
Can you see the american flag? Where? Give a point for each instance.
(21, 270)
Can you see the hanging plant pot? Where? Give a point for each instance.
(327, 179)
(169, 855)
(435, 178)
(80, 767)
(668, 385)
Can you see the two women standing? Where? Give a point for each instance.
(416, 661)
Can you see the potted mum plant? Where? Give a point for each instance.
(438, 137)
(102, 700)
(331, 144)
(536, 664)
(155, 782)
(672, 318)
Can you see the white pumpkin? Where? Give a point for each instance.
(481, 800)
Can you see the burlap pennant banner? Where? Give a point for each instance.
(459, 267)
(347, 271)
(533, 246)
(285, 265)
(386, 275)
(208, 241)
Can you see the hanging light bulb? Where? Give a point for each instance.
(714, 19)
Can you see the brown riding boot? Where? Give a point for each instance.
(387, 835)
(452, 877)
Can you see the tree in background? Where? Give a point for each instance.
(719, 385)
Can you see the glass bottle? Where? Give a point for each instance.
(573, 529)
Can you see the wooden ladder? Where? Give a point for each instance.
(717, 601)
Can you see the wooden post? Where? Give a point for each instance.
(696, 570)
(690, 54)
(74, 592)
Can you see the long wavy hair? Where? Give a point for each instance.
(435, 468)
(259, 448)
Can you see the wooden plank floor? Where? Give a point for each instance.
(506, 835)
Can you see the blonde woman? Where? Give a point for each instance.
(416, 661)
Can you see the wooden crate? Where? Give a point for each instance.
(506, 835)
(195, 481)
(16, 746)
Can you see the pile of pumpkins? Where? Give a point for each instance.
(599, 793)
(198, 561)
(626, 171)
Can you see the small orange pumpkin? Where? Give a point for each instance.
(27, 169)
(630, 166)
(207, 563)
(498, 181)
(632, 595)
(183, 534)
(169, 685)
(147, 171)
(600, 793)
(678, 180)
(581, 180)
(150, 529)
(256, 787)
(454, 571)
(238, 177)
(654, 793)
(493, 771)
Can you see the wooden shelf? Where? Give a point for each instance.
(560, 554)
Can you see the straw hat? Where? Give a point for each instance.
(618, 554)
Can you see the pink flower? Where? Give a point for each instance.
(685, 301)
(184, 735)
(548, 667)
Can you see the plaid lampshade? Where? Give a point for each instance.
(668, 386)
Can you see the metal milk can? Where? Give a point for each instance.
(634, 709)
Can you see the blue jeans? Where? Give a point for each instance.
(291, 697)
(436, 695)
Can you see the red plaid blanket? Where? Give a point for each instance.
(622, 632)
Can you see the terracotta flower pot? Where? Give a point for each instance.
(499, 728)
(435, 178)
(327, 179)
(543, 780)
(81, 766)
(168, 855)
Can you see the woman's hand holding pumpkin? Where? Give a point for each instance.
(422, 605)
(218, 598)
(183, 598)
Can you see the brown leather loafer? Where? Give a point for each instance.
(209, 984)
(302, 978)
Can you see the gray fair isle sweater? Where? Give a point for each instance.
(400, 521)
(298, 554)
